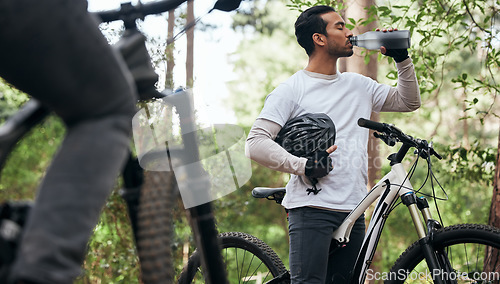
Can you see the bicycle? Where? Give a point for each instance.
(148, 194)
(441, 254)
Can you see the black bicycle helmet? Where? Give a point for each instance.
(302, 135)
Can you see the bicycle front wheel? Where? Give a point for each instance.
(470, 251)
(155, 227)
(247, 259)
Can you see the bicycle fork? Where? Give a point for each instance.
(436, 258)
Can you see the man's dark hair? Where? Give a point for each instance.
(310, 22)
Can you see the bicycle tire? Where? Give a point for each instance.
(250, 248)
(154, 221)
(462, 243)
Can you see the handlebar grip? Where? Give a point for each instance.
(381, 127)
(137, 11)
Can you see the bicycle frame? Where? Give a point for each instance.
(388, 189)
(392, 186)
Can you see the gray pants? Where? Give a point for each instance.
(54, 51)
(310, 232)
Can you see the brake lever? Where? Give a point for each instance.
(433, 152)
(391, 141)
(428, 151)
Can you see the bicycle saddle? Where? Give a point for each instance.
(265, 192)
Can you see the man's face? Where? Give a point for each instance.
(337, 35)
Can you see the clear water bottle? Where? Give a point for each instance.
(374, 40)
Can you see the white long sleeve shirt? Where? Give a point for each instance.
(345, 97)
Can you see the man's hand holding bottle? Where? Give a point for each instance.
(399, 55)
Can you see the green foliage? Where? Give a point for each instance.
(475, 164)
(461, 193)
(31, 156)
(265, 58)
(112, 257)
(301, 5)
(265, 219)
(456, 63)
(10, 99)
(449, 42)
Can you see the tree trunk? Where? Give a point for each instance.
(190, 46)
(494, 218)
(356, 63)
(169, 52)
(357, 9)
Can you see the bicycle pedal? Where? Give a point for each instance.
(13, 216)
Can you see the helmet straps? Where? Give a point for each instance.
(314, 189)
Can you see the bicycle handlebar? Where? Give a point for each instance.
(138, 11)
(370, 124)
(129, 12)
(391, 134)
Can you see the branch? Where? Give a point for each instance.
(471, 17)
